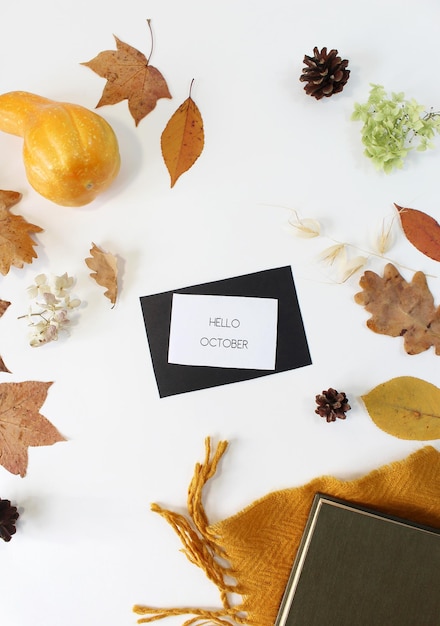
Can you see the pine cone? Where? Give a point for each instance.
(8, 517)
(332, 404)
(326, 73)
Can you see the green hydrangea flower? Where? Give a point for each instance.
(394, 126)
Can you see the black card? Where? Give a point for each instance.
(291, 349)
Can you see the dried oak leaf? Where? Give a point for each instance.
(401, 309)
(21, 424)
(129, 77)
(406, 407)
(16, 244)
(183, 139)
(105, 271)
(422, 230)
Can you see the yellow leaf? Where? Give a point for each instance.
(406, 407)
(105, 272)
(183, 139)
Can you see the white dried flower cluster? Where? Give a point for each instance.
(54, 305)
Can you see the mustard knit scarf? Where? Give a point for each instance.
(252, 552)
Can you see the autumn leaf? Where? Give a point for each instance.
(4, 304)
(406, 407)
(3, 367)
(105, 271)
(16, 244)
(129, 77)
(183, 139)
(21, 424)
(422, 230)
(401, 309)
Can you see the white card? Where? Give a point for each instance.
(223, 331)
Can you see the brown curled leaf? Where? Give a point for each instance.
(105, 271)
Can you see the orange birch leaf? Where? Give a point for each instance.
(22, 425)
(183, 139)
(129, 77)
(422, 230)
(105, 271)
(16, 244)
(406, 407)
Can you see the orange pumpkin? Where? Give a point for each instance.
(70, 153)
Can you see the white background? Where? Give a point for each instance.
(87, 546)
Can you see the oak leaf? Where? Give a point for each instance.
(16, 244)
(129, 77)
(21, 424)
(406, 407)
(422, 230)
(105, 271)
(401, 309)
(183, 139)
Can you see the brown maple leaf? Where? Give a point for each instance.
(4, 304)
(16, 244)
(401, 309)
(105, 271)
(129, 77)
(21, 424)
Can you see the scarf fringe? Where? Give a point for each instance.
(201, 617)
(201, 548)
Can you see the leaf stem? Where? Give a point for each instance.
(152, 39)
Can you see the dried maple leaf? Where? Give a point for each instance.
(105, 271)
(3, 367)
(16, 244)
(406, 407)
(401, 309)
(21, 424)
(4, 304)
(129, 77)
(422, 230)
(183, 139)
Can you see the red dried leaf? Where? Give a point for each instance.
(422, 230)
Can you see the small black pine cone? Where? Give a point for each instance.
(332, 404)
(326, 73)
(8, 517)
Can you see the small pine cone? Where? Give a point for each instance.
(8, 517)
(332, 404)
(326, 73)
